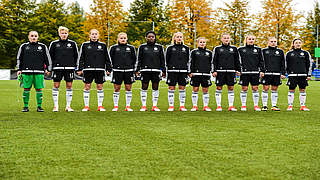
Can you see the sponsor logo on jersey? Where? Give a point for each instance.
(117, 49)
(57, 45)
(27, 48)
(89, 47)
(174, 49)
(207, 54)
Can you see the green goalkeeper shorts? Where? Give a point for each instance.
(36, 79)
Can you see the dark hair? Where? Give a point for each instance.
(294, 40)
(152, 32)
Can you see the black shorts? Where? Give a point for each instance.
(119, 77)
(228, 78)
(295, 81)
(67, 75)
(205, 81)
(253, 79)
(177, 77)
(147, 76)
(274, 80)
(97, 76)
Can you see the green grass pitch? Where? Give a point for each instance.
(157, 145)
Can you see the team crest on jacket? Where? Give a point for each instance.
(231, 50)
(99, 47)
(155, 48)
(68, 45)
(243, 50)
(183, 49)
(267, 52)
(302, 54)
(27, 48)
(89, 47)
(57, 45)
(221, 50)
(255, 50)
(292, 54)
(207, 54)
(277, 52)
(197, 53)
(39, 47)
(146, 48)
(128, 49)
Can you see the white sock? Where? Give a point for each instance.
(264, 98)
(128, 98)
(194, 98)
(218, 97)
(290, 98)
(205, 98)
(230, 98)
(255, 96)
(302, 97)
(182, 97)
(69, 94)
(155, 97)
(243, 97)
(171, 97)
(116, 98)
(86, 96)
(274, 98)
(144, 94)
(55, 96)
(100, 96)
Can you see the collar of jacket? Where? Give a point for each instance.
(178, 44)
(34, 43)
(63, 40)
(249, 46)
(202, 49)
(298, 49)
(226, 45)
(122, 44)
(273, 48)
(94, 41)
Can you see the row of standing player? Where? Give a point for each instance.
(250, 62)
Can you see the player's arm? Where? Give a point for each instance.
(80, 61)
(107, 61)
(47, 60)
(20, 59)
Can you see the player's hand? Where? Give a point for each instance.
(190, 75)
(308, 78)
(238, 73)
(137, 73)
(79, 73)
(48, 73)
(283, 77)
(261, 74)
(108, 73)
(18, 73)
(163, 74)
(214, 74)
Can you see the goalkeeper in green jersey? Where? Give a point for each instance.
(33, 60)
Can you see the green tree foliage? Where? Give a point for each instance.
(14, 15)
(18, 17)
(235, 19)
(309, 34)
(141, 15)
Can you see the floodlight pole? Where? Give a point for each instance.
(240, 36)
(195, 35)
(108, 33)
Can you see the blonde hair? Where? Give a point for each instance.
(174, 36)
(199, 38)
(247, 36)
(122, 33)
(62, 28)
(93, 30)
(225, 34)
(294, 40)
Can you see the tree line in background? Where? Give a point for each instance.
(194, 18)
